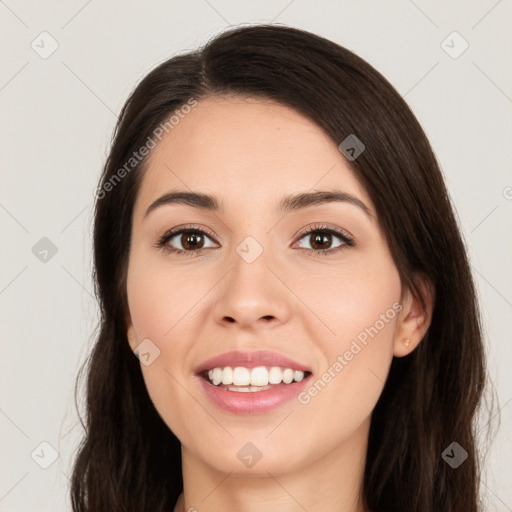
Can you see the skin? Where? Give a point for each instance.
(250, 153)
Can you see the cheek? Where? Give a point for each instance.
(156, 306)
(161, 303)
(350, 298)
(360, 306)
(158, 297)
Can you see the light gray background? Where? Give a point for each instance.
(57, 118)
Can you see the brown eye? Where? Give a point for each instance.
(320, 241)
(192, 240)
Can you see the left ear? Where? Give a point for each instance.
(415, 316)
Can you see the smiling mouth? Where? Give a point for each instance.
(237, 380)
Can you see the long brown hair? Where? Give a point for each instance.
(129, 460)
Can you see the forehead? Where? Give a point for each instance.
(246, 150)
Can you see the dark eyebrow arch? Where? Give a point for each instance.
(290, 203)
(304, 200)
(194, 199)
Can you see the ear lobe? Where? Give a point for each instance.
(130, 333)
(415, 317)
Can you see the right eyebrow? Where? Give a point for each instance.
(194, 199)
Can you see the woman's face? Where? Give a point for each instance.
(257, 284)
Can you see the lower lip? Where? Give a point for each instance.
(252, 402)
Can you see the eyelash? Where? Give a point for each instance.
(348, 241)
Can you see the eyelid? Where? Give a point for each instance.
(186, 227)
(320, 226)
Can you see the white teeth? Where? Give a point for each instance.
(288, 376)
(298, 375)
(275, 375)
(247, 389)
(217, 375)
(241, 376)
(258, 378)
(227, 375)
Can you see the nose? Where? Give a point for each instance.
(252, 296)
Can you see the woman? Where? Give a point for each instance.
(289, 320)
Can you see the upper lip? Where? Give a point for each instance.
(250, 360)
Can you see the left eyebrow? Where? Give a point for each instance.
(288, 204)
(298, 201)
